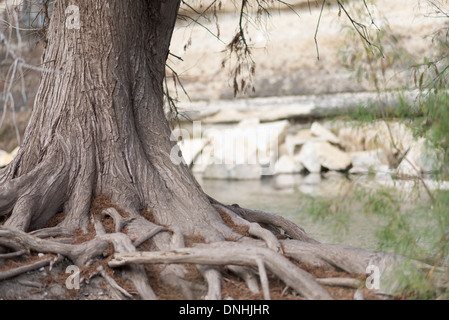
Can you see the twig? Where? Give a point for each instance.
(116, 288)
(20, 270)
(316, 30)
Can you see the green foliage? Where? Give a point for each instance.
(414, 223)
(411, 225)
(428, 115)
(435, 120)
(373, 59)
(329, 211)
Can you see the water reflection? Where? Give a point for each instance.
(289, 196)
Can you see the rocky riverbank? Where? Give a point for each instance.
(252, 149)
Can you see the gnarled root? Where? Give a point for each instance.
(270, 247)
(233, 254)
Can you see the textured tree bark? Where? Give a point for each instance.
(98, 124)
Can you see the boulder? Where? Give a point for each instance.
(244, 151)
(314, 155)
(323, 133)
(331, 157)
(421, 158)
(308, 157)
(304, 134)
(352, 139)
(391, 137)
(365, 161)
(294, 142)
(286, 164)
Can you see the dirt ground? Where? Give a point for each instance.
(50, 283)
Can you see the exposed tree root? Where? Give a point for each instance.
(234, 254)
(81, 254)
(247, 275)
(13, 254)
(340, 282)
(269, 246)
(118, 293)
(214, 279)
(277, 224)
(122, 244)
(30, 267)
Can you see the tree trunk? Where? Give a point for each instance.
(98, 124)
(98, 128)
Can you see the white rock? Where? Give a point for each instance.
(331, 157)
(420, 159)
(314, 155)
(308, 157)
(286, 164)
(364, 161)
(250, 122)
(5, 158)
(379, 135)
(294, 142)
(352, 139)
(389, 136)
(304, 134)
(245, 149)
(320, 131)
(291, 144)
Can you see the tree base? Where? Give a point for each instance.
(127, 258)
